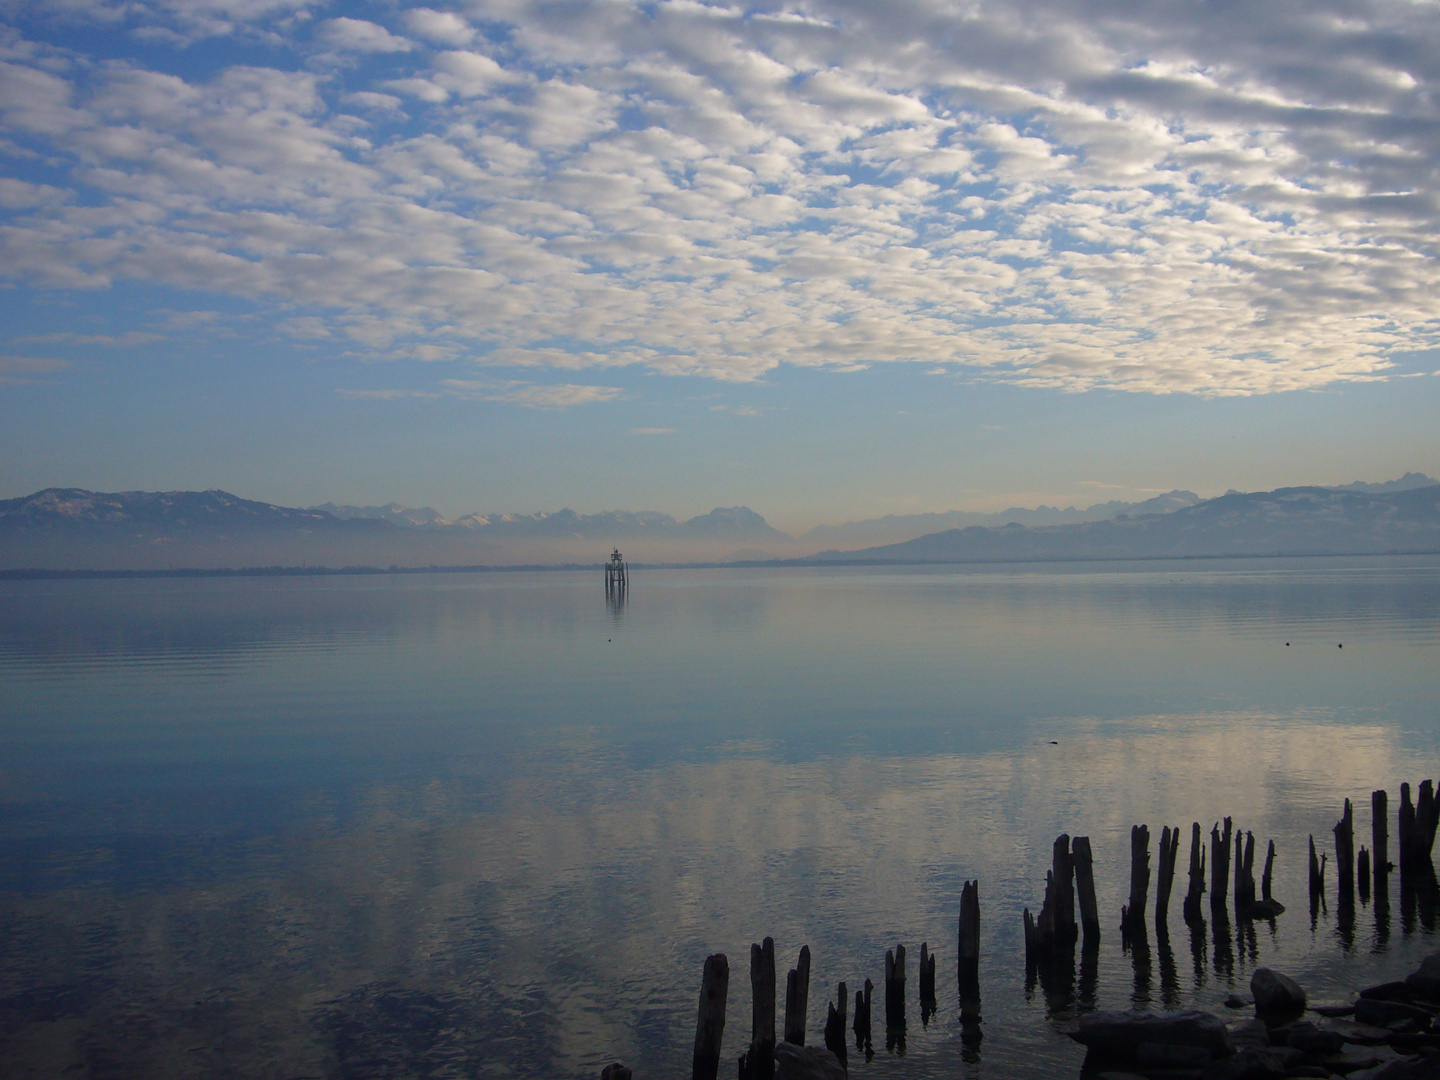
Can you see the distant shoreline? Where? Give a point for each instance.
(40, 574)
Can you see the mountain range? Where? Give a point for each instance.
(71, 528)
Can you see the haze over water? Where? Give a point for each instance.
(489, 824)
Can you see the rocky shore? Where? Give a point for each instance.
(1389, 1032)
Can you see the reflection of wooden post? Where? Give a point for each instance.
(1197, 875)
(710, 1024)
(1085, 887)
(1165, 875)
(797, 998)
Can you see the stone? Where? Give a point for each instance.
(1235, 1001)
(1254, 1064)
(1334, 1010)
(1390, 991)
(1380, 1012)
(1427, 979)
(1276, 995)
(1316, 1041)
(1249, 1033)
(1409, 1068)
(1166, 1056)
(806, 1063)
(1116, 1037)
(615, 1071)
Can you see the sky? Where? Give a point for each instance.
(829, 260)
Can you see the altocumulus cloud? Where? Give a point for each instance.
(1058, 193)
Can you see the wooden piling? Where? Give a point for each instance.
(1427, 818)
(1133, 915)
(759, 1061)
(835, 1024)
(967, 963)
(797, 998)
(1362, 874)
(927, 978)
(1083, 862)
(895, 989)
(1317, 873)
(710, 1023)
(1345, 851)
(1380, 833)
(1197, 875)
(861, 1024)
(1244, 875)
(1165, 873)
(1267, 877)
(1062, 866)
(1219, 867)
(1406, 828)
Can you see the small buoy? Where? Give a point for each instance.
(1339, 646)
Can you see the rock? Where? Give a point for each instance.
(615, 1071)
(1427, 979)
(1253, 1064)
(1390, 991)
(806, 1063)
(1316, 1041)
(1164, 1056)
(1410, 1068)
(1250, 1034)
(1380, 1012)
(1276, 995)
(1265, 909)
(1116, 1037)
(1333, 1010)
(1235, 1001)
(1318, 1071)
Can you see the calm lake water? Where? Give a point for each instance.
(490, 825)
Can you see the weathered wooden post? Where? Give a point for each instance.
(835, 1024)
(1380, 833)
(797, 998)
(1406, 825)
(1219, 867)
(1165, 875)
(710, 1023)
(1133, 915)
(895, 989)
(967, 964)
(1197, 875)
(1427, 818)
(1083, 862)
(927, 980)
(1266, 878)
(1063, 867)
(1244, 875)
(1362, 874)
(1317, 872)
(758, 1063)
(862, 1016)
(1345, 852)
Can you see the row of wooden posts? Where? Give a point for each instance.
(1069, 889)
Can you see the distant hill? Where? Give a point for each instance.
(422, 517)
(1409, 482)
(1287, 521)
(896, 528)
(70, 528)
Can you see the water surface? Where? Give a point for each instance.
(489, 824)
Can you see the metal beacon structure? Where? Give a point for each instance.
(617, 575)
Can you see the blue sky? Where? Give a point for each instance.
(830, 260)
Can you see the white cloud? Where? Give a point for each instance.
(1051, 195)
(358, 35)
(440, 27)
